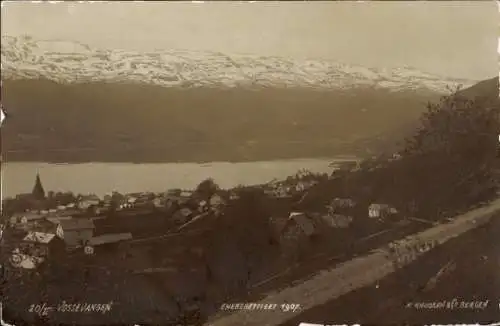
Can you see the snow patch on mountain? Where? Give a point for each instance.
(73, 62)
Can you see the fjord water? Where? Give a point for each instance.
(102, 178)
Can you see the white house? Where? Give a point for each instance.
(186, 193)
(282, 192)
(380, 211)
(301, 186)
(202, 206)
(159, 202)
(233, 196)
(375, 210)
(216, 201)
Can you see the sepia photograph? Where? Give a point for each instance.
(259, 163)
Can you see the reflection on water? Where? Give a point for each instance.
(102, 178)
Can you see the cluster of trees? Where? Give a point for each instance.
(60, 198)
(447, 165)
(235, 244)
(52, 200)
(451, 161)
(456, 149)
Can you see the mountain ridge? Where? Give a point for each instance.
(69, 61)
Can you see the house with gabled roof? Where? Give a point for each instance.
(381, 211)
(216, 200)
(302, 222)
(296, 233)
(77, 231)
(39, 244)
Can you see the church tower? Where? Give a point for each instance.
(38, 191)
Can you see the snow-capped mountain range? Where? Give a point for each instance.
(72, 62)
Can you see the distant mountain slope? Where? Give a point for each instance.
(66, 109)
(129, 122)
(487, 88)
(393, 139)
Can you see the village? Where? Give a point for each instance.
(168, 238)
(35, 223)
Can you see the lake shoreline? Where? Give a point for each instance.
(102, 178)
(296, 159)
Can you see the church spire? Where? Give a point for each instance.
(38, 191)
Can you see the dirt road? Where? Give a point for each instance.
(355, 274)
(463, 269)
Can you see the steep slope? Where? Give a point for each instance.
(485, 89)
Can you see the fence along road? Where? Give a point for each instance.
(348, 276)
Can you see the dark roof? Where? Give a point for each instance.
(109, 238)
(77, 224)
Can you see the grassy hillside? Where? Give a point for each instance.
(144, 123)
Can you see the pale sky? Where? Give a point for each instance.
(450, 38)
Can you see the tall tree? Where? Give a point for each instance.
(453, 155)
(206, 188)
